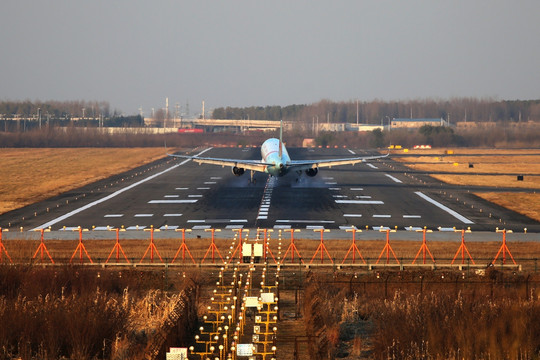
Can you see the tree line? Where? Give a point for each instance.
(57, 109)
(378, 111)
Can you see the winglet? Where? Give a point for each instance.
(280, 138)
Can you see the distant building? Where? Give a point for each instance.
(416, 123)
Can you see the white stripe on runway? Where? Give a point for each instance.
(172, 201)
(307, 221)
(445, 208)
(113, 215)
(352, 152)
(143, 215)
(352, 215)
(362, 202)
(382, 216)
(114, 194)
(372, 166)
(393, 178)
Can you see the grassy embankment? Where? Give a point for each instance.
(30, 175)
(489, 169)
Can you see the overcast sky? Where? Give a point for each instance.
(243, 53)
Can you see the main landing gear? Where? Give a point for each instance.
(252, 180)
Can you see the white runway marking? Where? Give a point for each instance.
(172, 196)
(314, 227)
(210, 182)
(114, 194)
(136, 227)
(449, 229)
(144, 215)
(216, 178)
(103, 228)
(363, 197)
(282, 227)
(218, 221)
(201, 227)
(393, 178)
(413, 228)
(382, 216)
(445, 208)
(352, 215)
(307, 221)
(380, 228)
(203, 188)
(357, 189)
(412, 216)
(331, 183)
(168, 227)
(113, 215)
(334, 188)
(230, 227)
(352, 152)
(372, 166)
(328, 178)
(360, 202)
(172, 215)
(195, 196)
(264, 208)
(340, 196)
(181, 188)
(172, 201)
(69, 228)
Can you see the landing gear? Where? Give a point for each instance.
(252, 180)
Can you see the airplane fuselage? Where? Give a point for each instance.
(271, 155)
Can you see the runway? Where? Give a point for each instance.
(177, 193)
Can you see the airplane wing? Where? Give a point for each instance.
(254, 165)
(312, 164)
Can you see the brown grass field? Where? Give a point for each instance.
(30, 175)
(484, 173)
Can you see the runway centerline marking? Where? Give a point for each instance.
(114, 194)
(113, 215)
(445, 208)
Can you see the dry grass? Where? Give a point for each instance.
(32, 175)
(484, 173)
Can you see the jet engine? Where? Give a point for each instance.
(312, 172)
(238, 171)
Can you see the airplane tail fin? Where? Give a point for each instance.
(280, 138)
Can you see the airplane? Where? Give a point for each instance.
(276, 161)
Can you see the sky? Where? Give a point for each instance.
(134, 53)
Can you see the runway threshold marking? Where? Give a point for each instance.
(445, 208)
(114, 194)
